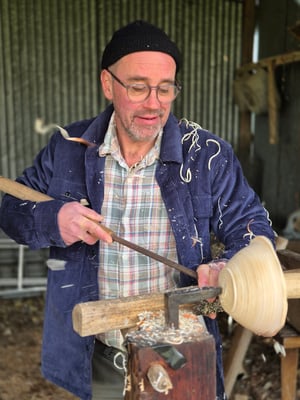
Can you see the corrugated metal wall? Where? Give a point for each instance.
(49, 63)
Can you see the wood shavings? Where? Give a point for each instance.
(206, 308)
(152, 329)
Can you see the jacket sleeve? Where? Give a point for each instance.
(30, 223)
(238, 214)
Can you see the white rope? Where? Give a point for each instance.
(122, 366)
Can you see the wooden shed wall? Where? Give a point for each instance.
(49, 64)
(278, 165)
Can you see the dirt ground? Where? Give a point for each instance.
(20, 343)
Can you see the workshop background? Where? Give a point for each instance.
(49, 69)
(240, 78)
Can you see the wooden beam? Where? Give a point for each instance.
(270, 64)
(100, 316)
(272, 104)
(289, 259)
(280, 59)
(245, 136)
(248, 30)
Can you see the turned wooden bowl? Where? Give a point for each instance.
(254, 288)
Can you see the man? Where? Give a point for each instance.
(162, 183)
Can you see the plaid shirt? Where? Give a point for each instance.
(133, 209)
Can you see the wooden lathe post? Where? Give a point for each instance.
(193, 381)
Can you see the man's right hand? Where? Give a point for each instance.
(79, 223)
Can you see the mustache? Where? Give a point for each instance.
(150, 113)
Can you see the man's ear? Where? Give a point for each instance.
(106, 83)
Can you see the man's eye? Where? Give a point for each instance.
(138, 89)
(163, 90)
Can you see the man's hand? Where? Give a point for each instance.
(77, 222)
(208, 275)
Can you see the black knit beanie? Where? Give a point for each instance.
(138, 36)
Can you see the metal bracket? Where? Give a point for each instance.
(189, 295)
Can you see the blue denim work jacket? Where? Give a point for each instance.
(204, 191)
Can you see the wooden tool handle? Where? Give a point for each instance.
(20, 191)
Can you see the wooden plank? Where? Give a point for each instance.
(289, 365)
(233, 364)
(288, 337)
(277, 60)
(272, 104)
(292, 342)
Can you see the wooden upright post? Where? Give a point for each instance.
(195, 380)
(245, 137)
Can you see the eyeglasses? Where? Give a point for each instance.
(139, 92)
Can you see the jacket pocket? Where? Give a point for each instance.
(68, 190)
